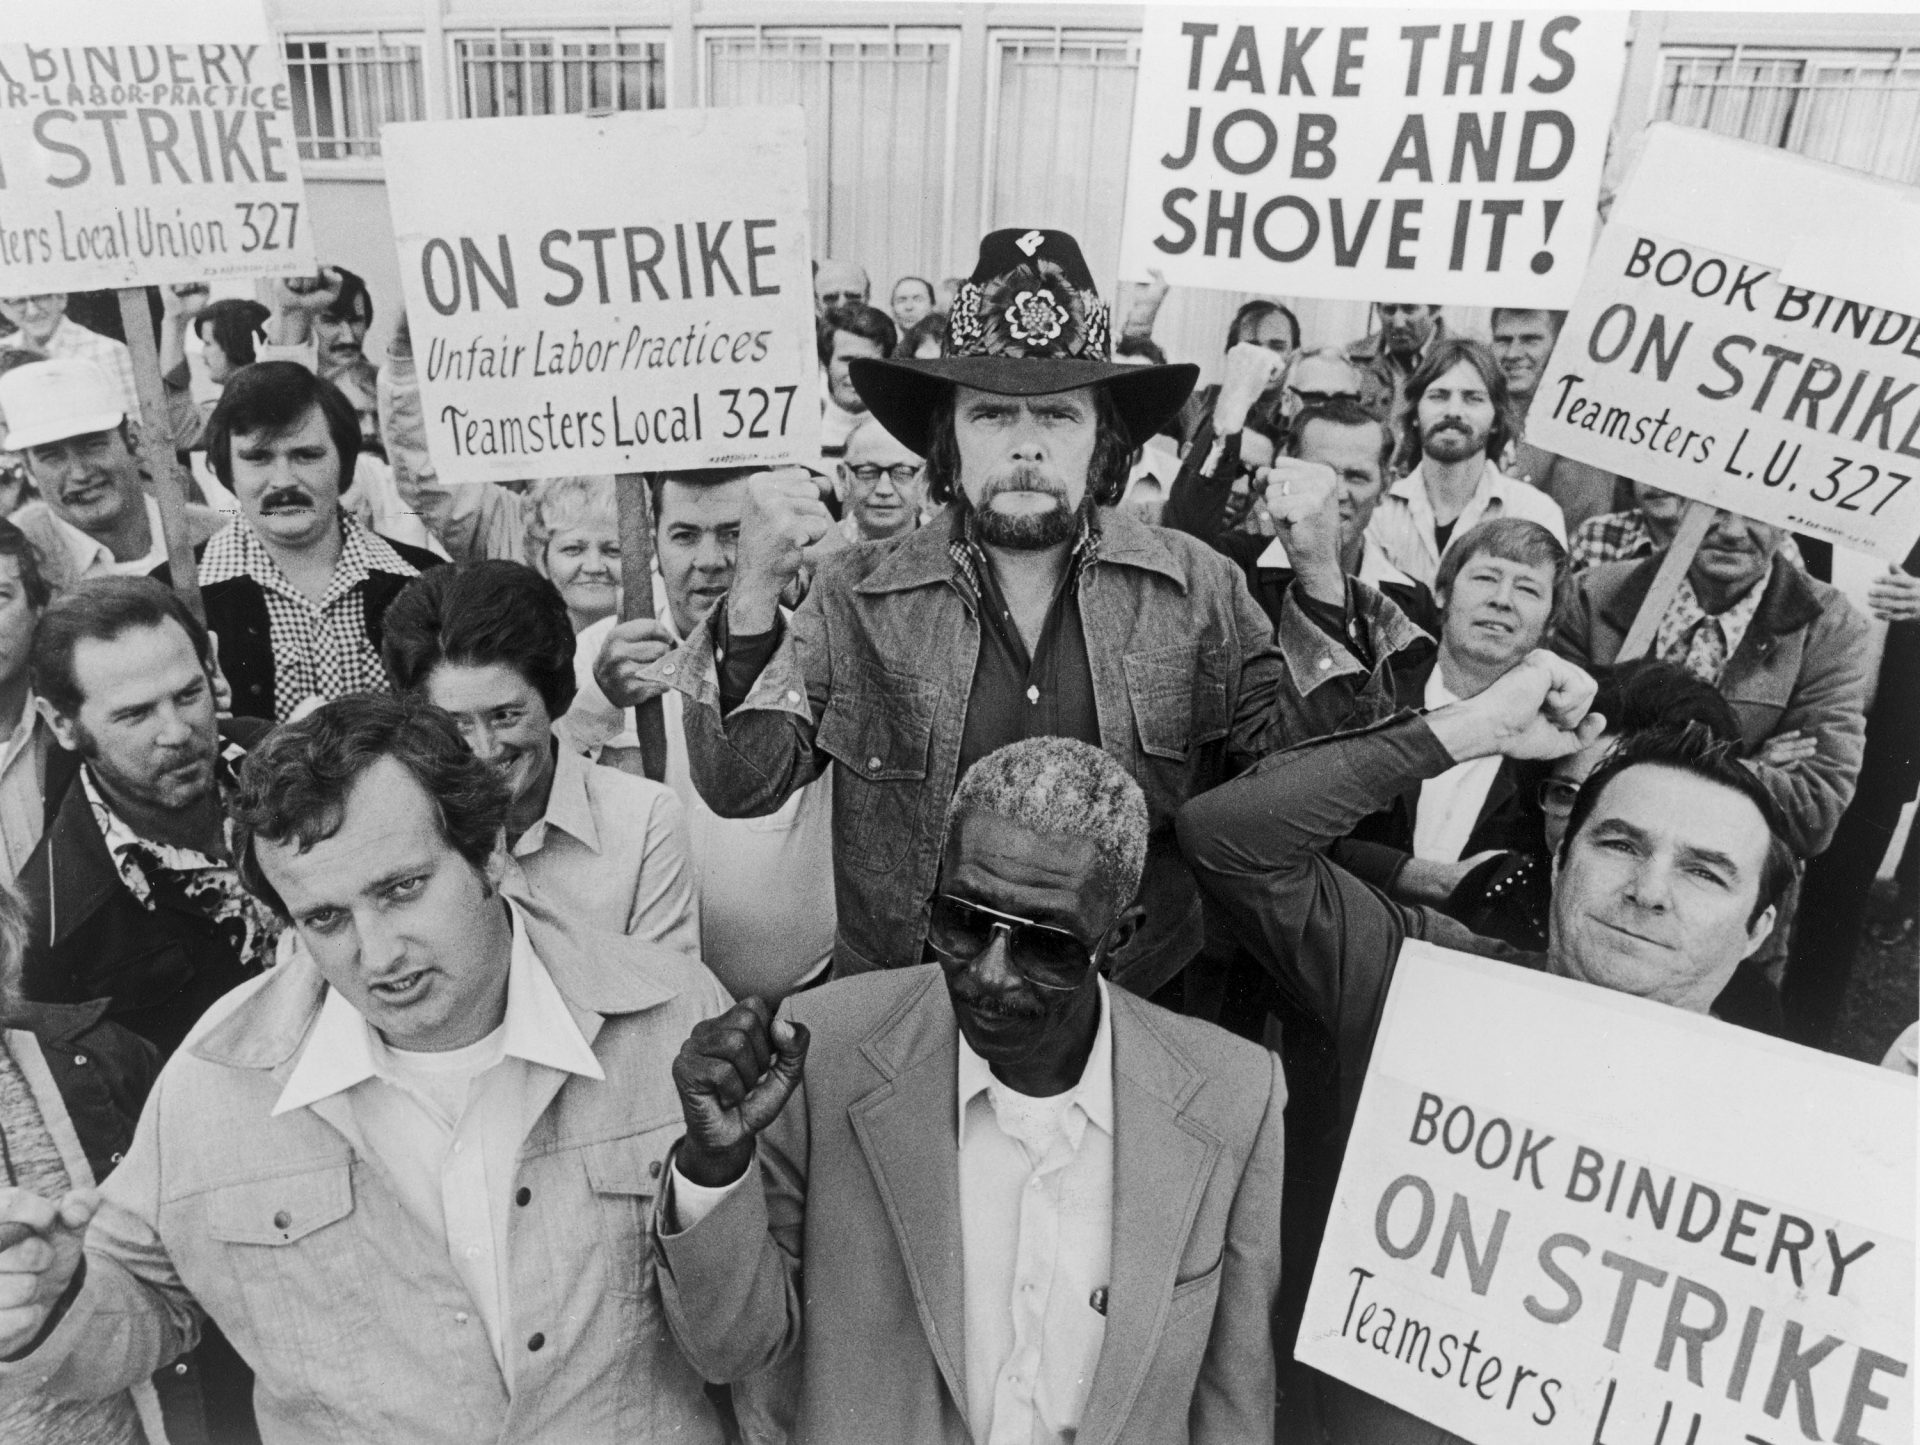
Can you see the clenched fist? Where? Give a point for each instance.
(1251, 369)
(1541, 709)
(784, 518)
(1303, 498)
(629, 647)
(42, 1240)
(734, 1075)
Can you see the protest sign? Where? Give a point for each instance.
(1570, 1216)
(1702, 368)
(608, 293)
(144, 143)
(1445, 156)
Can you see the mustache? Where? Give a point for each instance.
(286, 496)
(998, 1007)
(1022, 479)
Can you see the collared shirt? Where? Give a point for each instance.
(1450, 803)
(1700, 641)
(610, 852)
(23, 787)
(1404, 526)
(71, 341)
(1036, 1230)
(1018, 694)
(448, 1133)
(187, 878)
(319, 650)
(94, 558)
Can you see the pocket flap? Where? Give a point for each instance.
(633, 1164)
(281, 1210)
(879, 725)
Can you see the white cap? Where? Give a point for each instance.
(49, 401)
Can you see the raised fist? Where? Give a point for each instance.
(734, 1074)
(783, 519)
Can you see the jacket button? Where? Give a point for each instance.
(667, 671)
(181, 1368)
(793, 699)
(536, 1342)
(873, 764)
(282, 1220)
(653, 1170)
(523, 1198)
(116, 1158)
(80, 1058)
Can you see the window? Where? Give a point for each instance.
(879, 108)
(1060, 123)
(1858, 108)
(345, 87)
(516, 72)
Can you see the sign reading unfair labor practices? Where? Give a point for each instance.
(608, 294)
(1711, 371)
(1569, 1216)
(143, 143)
(1445, 156)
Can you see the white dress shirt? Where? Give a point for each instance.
(1036, 1232)
(447, 1128)
(1403, 524)
(1450, 804)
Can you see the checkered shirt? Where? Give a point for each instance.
(1624, 536)
(72, 341)
(318, 650)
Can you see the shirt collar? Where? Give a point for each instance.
(569, 807)
(89, 551)
(1093, 1093)
(342, 1050)
(237, 551)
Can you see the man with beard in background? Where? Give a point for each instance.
(1035, 607)
(1459, 417)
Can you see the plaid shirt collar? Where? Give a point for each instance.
(237, 551)
(969, 558)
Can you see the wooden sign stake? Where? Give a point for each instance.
(156, 446)
(1695, 523)
(636, 600)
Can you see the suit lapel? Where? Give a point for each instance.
(1162, 1163)
(906, 1130)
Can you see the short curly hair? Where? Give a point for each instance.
(1062, 785)
(557, 503)
(293, 787)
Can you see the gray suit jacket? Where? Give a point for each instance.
(847, 1264)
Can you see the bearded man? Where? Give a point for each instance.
(1034, 609)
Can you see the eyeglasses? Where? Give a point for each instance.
(1322, 398)
(1045, 956)
(1557, 795)
(902, 473)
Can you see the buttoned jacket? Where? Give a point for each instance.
(873, 675)
(345, 1305)
(847, 1262)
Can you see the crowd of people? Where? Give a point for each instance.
(918, 1054)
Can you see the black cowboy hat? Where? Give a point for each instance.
(1028, 322)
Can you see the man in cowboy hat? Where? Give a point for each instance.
(1033, 608)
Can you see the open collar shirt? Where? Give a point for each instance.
(1450, 803)
(320, 650)
(94, 558)
(452, 1169)
(1700, 641)
(1036, 1228)
(1404, 526)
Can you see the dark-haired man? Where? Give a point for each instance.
(133, 893)
(94, 518)
(1670, 874)
(1036, 609)
(492, 644)
(295, 588)
(321, 322)
(1407, 334)
(409, 1174)
(843, 335)
(1457, 419)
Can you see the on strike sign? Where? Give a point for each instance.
(1568, 1216)
(608, 294)
(1445, 157)
(144, 143)
(1707, 364)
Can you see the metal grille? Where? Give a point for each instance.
(519, 73)
(345, 86)
(1060, 125)
(879, 107)
(1854, 108)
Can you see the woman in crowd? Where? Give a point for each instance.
(573, 538)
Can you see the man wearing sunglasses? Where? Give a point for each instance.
(1024, 1203)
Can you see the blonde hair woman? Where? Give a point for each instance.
(573, 538)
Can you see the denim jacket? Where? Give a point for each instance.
(350, 1314)
(873, 675)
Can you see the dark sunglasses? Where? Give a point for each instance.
(1047, 957)
(1321, 398)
